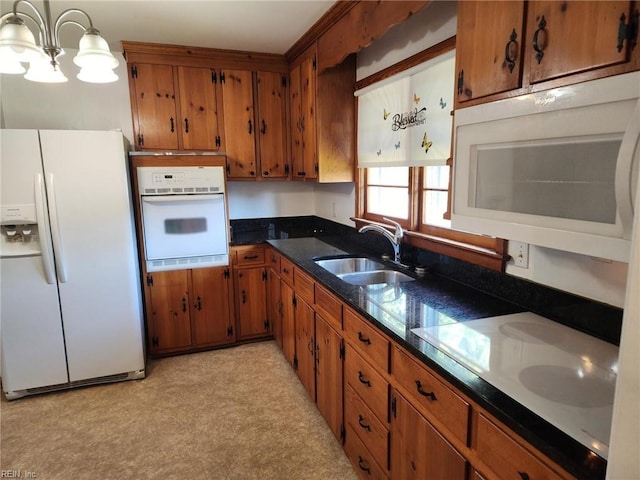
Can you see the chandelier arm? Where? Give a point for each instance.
(60, 22)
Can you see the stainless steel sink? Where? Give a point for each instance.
(362, 271)
(375, 277)
(339, 266)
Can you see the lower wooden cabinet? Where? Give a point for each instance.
(361, 458)
(275, 306)
(305, 346)
(329, 375)
(288, 323)
(251, 303)
(418, 450)
(188, 309)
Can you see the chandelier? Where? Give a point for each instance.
(18, 46)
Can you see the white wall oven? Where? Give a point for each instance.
(184, 217)
(557, 168)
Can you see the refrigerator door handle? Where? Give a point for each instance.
(55, 231)
(43, 229)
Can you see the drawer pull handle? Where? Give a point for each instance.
(362, 424)
(523, 475)
(363, 465)
(285, 270)
(431, 395)
(363, 380)
(536, 46)
(250, 257)
(363, 339)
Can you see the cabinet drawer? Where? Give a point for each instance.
(273, 259)
(366, 382)
(367, 340)
(249, 256)
(361, 459)
(329, 307)
(303, 285)
(372, 432)
(431, 394)
(286, 270)
(505, 457)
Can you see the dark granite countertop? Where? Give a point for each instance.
(426, 302)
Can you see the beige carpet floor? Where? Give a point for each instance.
(237, 413)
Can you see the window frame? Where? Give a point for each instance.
(481, 250)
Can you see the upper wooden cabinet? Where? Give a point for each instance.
(322, 120)
(498, 51)
(255, 115)
(175, 108)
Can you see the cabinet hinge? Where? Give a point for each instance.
(229, 331)
(266, 325)
(155, 342)
(342, 351)
(149, 280)
(295, 362)
(393, 407)
(214, 76)
(314, 62)
(460, 82)
(140, 139)
(217, 140)
(134, 71)
(264, 275)
(222, 79)
(284, 80)
(286, 169)
(226, 273)
(228, 169)
(628, 31)
(343, 434)
(294, 301)
(315, 167)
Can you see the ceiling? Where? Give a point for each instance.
(270, 26)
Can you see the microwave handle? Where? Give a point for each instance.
(624, 182)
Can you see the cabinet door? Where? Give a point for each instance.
(237, 98)
(155, 107)
(308, 102)
(288, 323)
(272, 110)
(275, 306)
(329, 375)
(199, 110)
(212, 322)
(169, 300)
(297, 159)
(251, 299)
(489, 46)
(570, 37)
(305, 346)
(418, 451)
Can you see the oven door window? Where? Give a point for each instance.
(178, 226)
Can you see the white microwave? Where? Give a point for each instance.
(556, 168)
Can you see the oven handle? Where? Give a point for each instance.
(180, 198)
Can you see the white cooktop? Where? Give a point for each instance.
(563, 375)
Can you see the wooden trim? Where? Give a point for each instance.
(159, 53)
(488, 252)
(335, 13)
(420, 57)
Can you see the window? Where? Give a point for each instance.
(395, 178)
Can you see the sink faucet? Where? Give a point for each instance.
(395, 238)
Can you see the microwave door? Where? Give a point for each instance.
(179, 226)
(628, 172)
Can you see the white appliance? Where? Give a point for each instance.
(70, 311)
(184, 217)
(557, 168)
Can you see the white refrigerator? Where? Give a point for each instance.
(70, 304)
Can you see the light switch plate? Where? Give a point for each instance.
(520, 253)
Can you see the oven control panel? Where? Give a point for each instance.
(180, 180)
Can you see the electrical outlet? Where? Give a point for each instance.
(520, 253)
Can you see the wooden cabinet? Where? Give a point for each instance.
(305, 345)
(254, 105)
(514, 46)
(322, 120)
(188, 309)
(288, 323)
(275, 297)
(418, 450)
(251, 292)
(329, 375)
(505, 457)
(175, 107)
